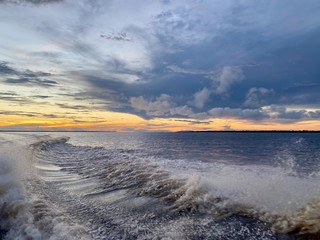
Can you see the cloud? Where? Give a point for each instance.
(258, 97)
(289, 114)
(5, 69)
(20, 113)
(9, 93)
(35, 2)
(15, 98)
(228, 76)
(162, 106)
(191, 71)
(120, 36)
(201, 97)
(182, 25)
(53, 116)
(26, 77)
(222, 81)
(227, 127)
(314, 114)
(195, 122)
(17, 80)
(31, 81)
(181, 111)
(74, 107)
(31, 74)
(281, 112)
(297, 115)
(253, 114)
(40, 96)
(273, 112)
(230, 59)
(32, 127)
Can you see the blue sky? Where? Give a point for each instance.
(198, 60)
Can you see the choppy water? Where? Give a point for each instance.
(160, 186)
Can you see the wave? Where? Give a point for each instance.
(52, 189)
(24, 215)
(42, 144)
(289, 202)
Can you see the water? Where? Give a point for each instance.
(160, 185)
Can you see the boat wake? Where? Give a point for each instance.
(83, 192)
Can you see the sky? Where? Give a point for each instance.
(160, 65)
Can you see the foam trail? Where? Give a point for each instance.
(126, 193)
(273, 194)
(24, 215)
(289, 203)
(16, 219)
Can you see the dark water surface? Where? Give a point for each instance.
(185, 185)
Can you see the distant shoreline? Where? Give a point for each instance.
(18, 131)
(211, 131)
(263, 131)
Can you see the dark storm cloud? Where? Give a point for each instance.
(245, 104)
(263, 85)
(113, 93)
(271, 68)
(268, 78)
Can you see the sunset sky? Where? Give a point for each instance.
(160, 65)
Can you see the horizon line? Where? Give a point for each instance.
(183, 131)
